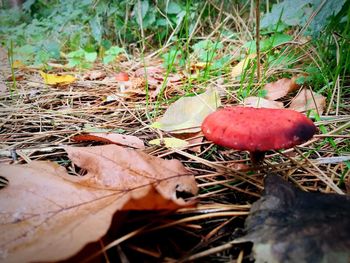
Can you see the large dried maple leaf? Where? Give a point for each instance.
(48, 215)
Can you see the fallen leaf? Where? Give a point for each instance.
(191, 138)
(169, 142)
(308, 100)
(54, 79)
(187, 113)
(94, 75)
(280, 88)
(18, 64)
(130, 167)
(48, 215)
(120, 139)
(200, 65)
(239, 167)
(17, 77)
(156, 75)
(258, 102)
(238, 69)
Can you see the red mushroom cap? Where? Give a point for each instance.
(252, 129)
(122, 76)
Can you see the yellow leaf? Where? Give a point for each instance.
(18, 64)
(54, 79)
(156, 125)
(187, 113)
(200, 65)
(241, 66)
(169, 142)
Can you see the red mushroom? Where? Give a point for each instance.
(257, 130)
(122, 78)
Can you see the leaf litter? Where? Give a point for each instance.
(35, 132)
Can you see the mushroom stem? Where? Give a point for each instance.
(257, 157)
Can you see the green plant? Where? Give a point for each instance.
(285, 14)
(81, 58)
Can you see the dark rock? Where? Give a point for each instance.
(289, 225)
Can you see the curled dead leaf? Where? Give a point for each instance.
(280, 88)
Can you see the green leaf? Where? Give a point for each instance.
(266, 44)
(161, 22)
(221, 63)
(202, 45)
(108, 59)
(173, 8)
(149, 20)
(80, 53)
(114, 51)
(73, 62)
(26, 49)
(144, 6)
(90, 56)
(329, 9)
(96, 29)
(53, 48)
(290, 12)
(111, 54)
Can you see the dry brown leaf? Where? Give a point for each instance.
(154, 74)
(17, 77)
(94, 75)
(48, 215)
(120, 139)
(143, 169)
(258, 102)
(280, 88)
(308, 100)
